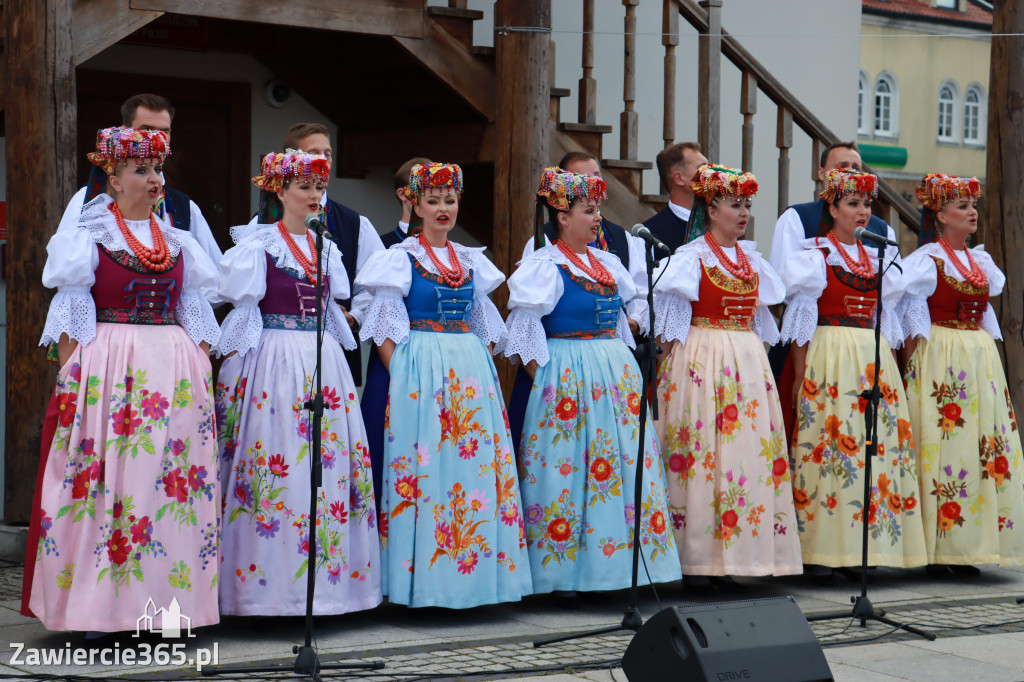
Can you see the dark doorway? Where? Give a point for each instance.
(210, 142)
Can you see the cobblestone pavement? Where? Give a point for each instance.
(492, 643)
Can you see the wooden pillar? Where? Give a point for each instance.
(709, 82)
(629, 119)
(1004, 176)
(588, 84)
(784, 140)
(40, 129)
(521, 147)
(670, 39)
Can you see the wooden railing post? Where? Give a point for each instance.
(669, 38)
(815, 164)
(709, 85)
(748, 107)
(588, 84)
(458, 4)
(628, 132)
(784, 140)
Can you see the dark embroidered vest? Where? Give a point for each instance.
(126, 292)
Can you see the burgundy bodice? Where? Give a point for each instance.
(288, 294)
(126, 292)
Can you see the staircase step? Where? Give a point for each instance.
(556, 102)
(590, 136)
(626, 163)
(458, 22)
(560, 92)
(629, 172)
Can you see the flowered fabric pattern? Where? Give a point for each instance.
(265, 449)
(578, 462)
(969, 449)
(829, 450)
(130, 496)
(724, 449)
(451, 515)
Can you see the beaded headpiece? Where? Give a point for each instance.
(294, 164)
(935, 191)
(424, 176)
(712, 180)
(560, 187)
(842, 181)
(118, 144)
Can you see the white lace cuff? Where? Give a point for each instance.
(196, 316)
(526, 339)
(637, 311)
(765, 327)
(337, 326)
(673, 316)
(72, 312)
(241, 331)
(386, 318)
(990, 323)
(485, 321)
(917, 321)
(892, 330)
(624, 332)
(800, 320)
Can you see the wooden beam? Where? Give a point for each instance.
(1004, 176)
(379, 17)
(452, 62)
(98, 24)
(40, 131)
(522, 145)
(709, 81)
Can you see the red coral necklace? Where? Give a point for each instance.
(453, 276)
(157, 259)
(975, 275)
(308, 264)
(596, 271)
(862, 266)
(741, 269)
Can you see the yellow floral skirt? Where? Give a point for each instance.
(969, 452)
(828, 457)
(721, 431)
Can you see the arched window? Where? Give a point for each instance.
(974, 115)
(862, 104)
(887, 103)
(947, 112)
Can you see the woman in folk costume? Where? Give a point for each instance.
(721, 427)
(129, 496)
(830, 319)
(451, 517)
(578, 455)
(264, 429)
(969, 452)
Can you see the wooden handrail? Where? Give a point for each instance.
(801, 115)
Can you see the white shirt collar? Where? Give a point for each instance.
(404, 227)
(681, 213)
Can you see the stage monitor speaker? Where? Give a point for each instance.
(760, 640)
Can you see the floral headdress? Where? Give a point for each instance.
(842, 181)
(292, 164)
(937, 189)
(424, 176)
(559, 188)
(118, 144)
(710, 181)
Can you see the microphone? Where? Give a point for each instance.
(862, 233)
(313, 223)
(641, 231)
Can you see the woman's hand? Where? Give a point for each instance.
(909, 346)
(205, 346)
(634, 326)
(531, 368)
(798, 356)
(65, 348)
(386, 350)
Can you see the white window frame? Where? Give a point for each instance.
(982, 105)
(863, 119)
(952, 106)
(893, 132)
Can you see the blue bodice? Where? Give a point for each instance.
(434, 306)
(586, 310)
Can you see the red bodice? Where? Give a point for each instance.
(725, 302)
(128, 293)
(848, 300)
(956, 304)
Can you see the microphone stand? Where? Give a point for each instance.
(647, 355)
(307, 661)
(863, 609)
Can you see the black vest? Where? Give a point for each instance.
(613, 234)
(668, 227)
(810, 216)
(396, 236)
(343, 224)
(179, 208)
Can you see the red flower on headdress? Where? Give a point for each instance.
(748, 187)
(974, 186)
(440, 177)
(320, 167)
(865, 184)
